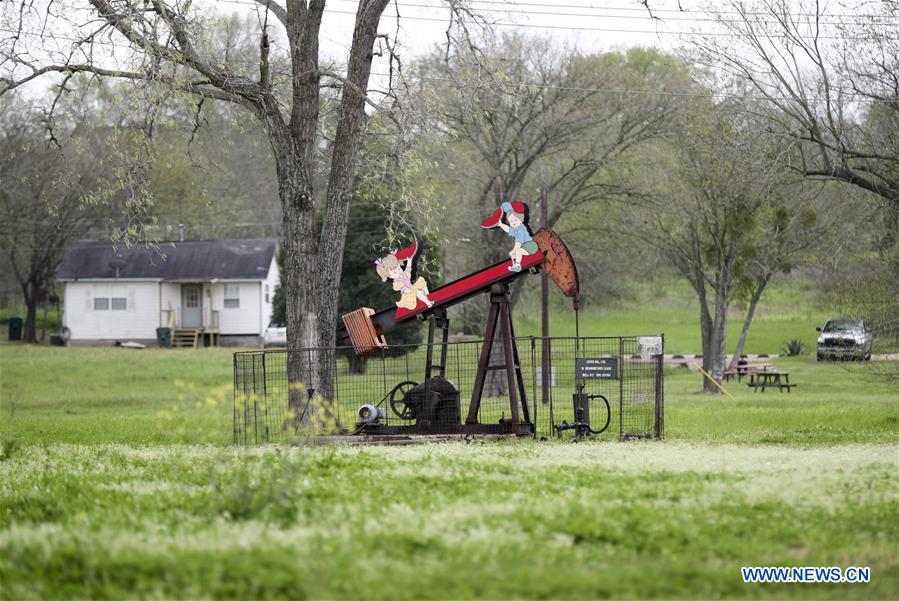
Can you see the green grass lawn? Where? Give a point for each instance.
(154, 396)
(788, 310)
(448, 521)
(117, 480)
(105, 395)
(833, 403)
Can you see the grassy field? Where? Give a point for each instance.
(154, 396)
(117, 480)
(444, 521)
(789, 310)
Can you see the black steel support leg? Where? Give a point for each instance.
(429, 357)
(438, 319)
(506, 318)
(444, 345)
(500, 311)
(522, 394)
(483, 363)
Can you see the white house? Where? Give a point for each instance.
(204, 290)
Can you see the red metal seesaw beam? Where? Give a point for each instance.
(479, 281)
(553, 258)
(449, 294)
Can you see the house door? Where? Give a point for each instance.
(191, 305)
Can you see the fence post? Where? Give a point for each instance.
(620, 388)
(234, 395)
(660, 390)
(534, 384)
(265, 398)
(255, 406)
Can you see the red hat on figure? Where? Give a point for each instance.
(518, 207)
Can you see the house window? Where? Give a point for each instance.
(101, 304)
(266, 293)
(118, 304)
(232, 297)
(192, 298)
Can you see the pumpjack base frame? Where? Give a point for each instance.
(399, 440)
(522, 429)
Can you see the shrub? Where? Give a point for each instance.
(8, 447)
(794, 348)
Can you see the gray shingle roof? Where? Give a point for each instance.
(197, 260)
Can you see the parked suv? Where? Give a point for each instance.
(844, 339)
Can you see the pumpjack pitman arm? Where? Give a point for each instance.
(364, 329)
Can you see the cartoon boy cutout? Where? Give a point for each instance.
(512, 218)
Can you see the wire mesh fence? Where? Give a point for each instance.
(556, 383)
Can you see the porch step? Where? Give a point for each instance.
(185, 337)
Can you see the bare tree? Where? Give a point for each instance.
(789, 230)
(41, 208)
(829, 86)
(163, 45)
(710, 223)
(518, 115)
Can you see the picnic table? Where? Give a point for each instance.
(770, 379)
(746, 369)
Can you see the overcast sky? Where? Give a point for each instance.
(590, 25)
(419, 26)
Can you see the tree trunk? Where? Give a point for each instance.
(707, 325)
(30, 333)
(301, 285)
(313, 260)
(714, 344)
(30, 293)
(713, 355)
(760, 285)
(341, 183)
(356, 363)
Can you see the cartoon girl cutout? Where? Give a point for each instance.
(512, 218)
(392, 267)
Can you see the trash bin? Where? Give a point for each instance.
(15, 328)
(164, 337)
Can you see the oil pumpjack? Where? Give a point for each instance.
(433, 404)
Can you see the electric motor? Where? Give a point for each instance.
(369, 415)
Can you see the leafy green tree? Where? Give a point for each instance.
(360, 285)
(518, 115)
(714, 221)
(182, 193)
(789, 230)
